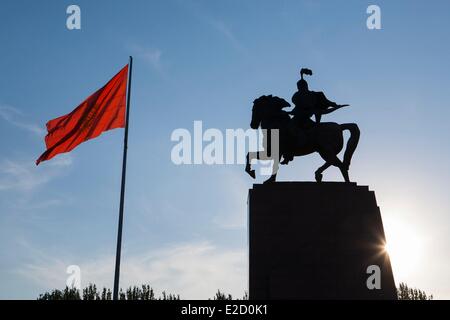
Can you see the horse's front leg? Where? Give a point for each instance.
(248, 166)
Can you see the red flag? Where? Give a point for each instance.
(104, 110)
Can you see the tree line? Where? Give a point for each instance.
(146, 292)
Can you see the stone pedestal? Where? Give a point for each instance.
(311, 240)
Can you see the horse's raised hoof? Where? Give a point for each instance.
(251, 173)
(319, 177)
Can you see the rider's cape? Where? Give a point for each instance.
(318, 101)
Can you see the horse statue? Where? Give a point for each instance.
(326, 138)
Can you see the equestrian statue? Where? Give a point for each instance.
(298, 134)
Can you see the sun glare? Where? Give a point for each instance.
(404, 247)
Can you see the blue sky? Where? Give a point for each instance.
(185, 226)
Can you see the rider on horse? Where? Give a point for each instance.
(307, 103)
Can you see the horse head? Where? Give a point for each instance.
(265, 107)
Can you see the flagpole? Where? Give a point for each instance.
(122, 188)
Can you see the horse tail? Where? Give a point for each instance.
(352, 142)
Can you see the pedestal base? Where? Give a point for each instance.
(312, 240)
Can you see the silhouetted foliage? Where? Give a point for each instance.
(222, 296)
(90, 293)
(145, 292)
(406, 293)
(66, 294)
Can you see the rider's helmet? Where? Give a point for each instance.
(302, 85)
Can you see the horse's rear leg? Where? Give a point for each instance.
(332, 159)
(344, 172)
